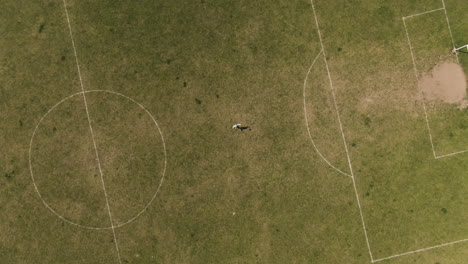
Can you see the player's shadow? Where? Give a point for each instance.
(242, 128)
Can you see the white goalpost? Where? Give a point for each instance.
(460, 48)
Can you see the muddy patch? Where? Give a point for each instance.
(446, 83)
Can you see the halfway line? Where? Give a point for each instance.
(92, 133)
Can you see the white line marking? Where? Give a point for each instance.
(451, 154)
(346, 148)
(419, 250)
(341, 129)
(164, 148)
(423, 13)
(450, 30)
(424, 104)
(307, 122)
(417, 80)
(92, 133)
(32, 174)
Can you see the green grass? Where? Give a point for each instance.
(198, 67)
(448, 124)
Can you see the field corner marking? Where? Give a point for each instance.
(163, 173)
(451, 154)
(420, 250)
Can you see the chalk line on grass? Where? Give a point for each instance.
(307, 122)
(341, 129)
(164, 149)
(92, 134)
(423, 13)
(450, 29)
(163, 173)
(451, 154)
(344, 139)
(417, 79)
(420, 250)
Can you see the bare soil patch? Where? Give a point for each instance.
(446, 83)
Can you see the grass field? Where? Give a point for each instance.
(117, 144)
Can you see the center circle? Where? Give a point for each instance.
(68, 171)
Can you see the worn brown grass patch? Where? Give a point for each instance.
(446, 83)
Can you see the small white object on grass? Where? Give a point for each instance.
(236, 126)
(455, 49)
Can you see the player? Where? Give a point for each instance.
(240, 127)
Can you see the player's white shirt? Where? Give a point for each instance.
(236, 126)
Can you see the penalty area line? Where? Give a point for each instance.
(420, 250)
(417, 81)
(451, 154)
